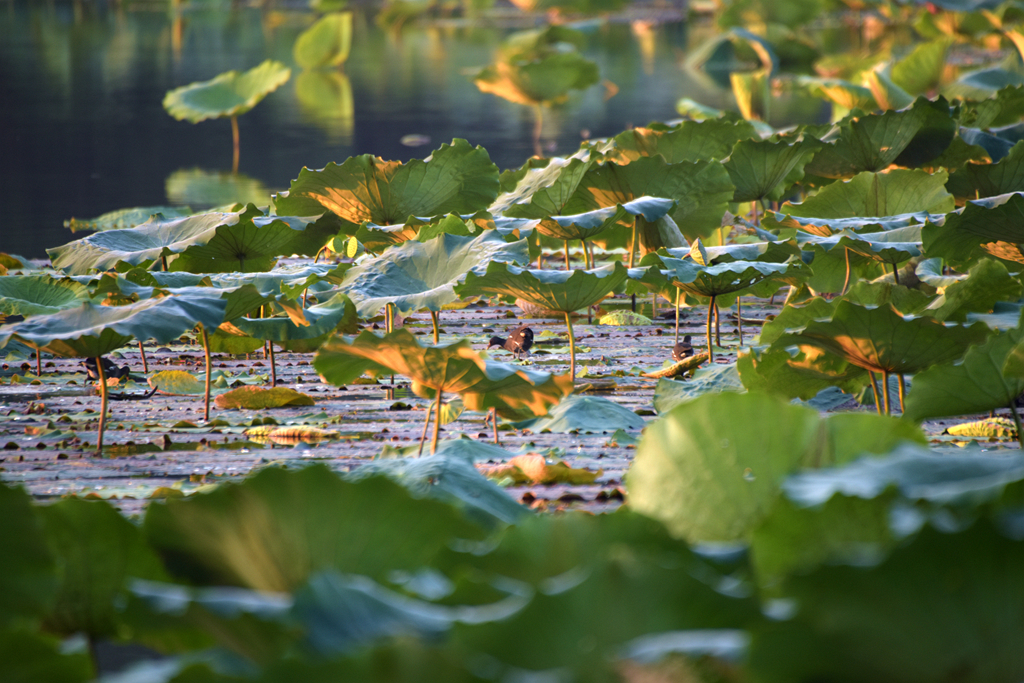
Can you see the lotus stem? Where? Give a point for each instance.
(206, 353)
(711, 313)
(437, 423)
(753, 207)
(567, 266)
(739, 319)
(895, 274)
(590, 250)
(163, 262)
(389, 319)
(874, 391)
(234, 143)
(633, 245)
(678, 292)
(846, 282)
(885, 392)
(718, 323)
(494, 421)
(145, 365)
(273, 365)
(572, 347)
(633, 300)
(103, 404)
(423, 435)
(39, 362)
(903, 390)
(435, 321)
(1016, 421)
(586, 256)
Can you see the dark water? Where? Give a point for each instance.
(83, 130)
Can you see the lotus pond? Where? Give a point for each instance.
(272, 440)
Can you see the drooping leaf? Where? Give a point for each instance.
(534, 468)
(561, 290)
(797, 371)
(710, 469)
(416, 275)
(588, 414)
(726, 278)
(983, 226)
(125, 218)
(92, 331)
(987, 283)
(26, 657)
(585, 225)
(325, 43)
(229, 94)
(456, 178)
(257, 398)
(274, 530)
(688, 141)
(921, 70)
(337, 313)
(974, 181)
(763, 169)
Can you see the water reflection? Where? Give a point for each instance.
(325, 100)
(202, 189)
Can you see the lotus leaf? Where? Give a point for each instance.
(624, 318)
(843, 93)
(257, 398)
(979, 227)
(98, 551)
(126, 218)
(540, 192)
(886, 93)
(212, 242)
(989, 180)
(326, 100)
(711, 469)
(28, 573)
(987, 283)
(30, 295)
(800, 371)
(176, 383)
(860, 224)
(921, 70)
(763, 169)
(417, 275)
(906, 301)
(27, 656)
(977, 383)
(325, 43)
(299, 523)
(585, 225)
(688, 141)
(534, 469)
(989, 428)
(716, 378)
(588, 414)
(682, 367)
(878, 194)
(923, 645)
(337, 313)
(229, 94)
(456, 178)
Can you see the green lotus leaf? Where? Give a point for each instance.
(977, 383)
(325, 43)
(582, 226)
(984, 83)
(416, 275)
(669, 393)
(887, 247)
(456, 178)
(874, 628)
(906, 301)
(544, 80)
(125, 218)
(921, 70)
(98, 552)
(711, 469)
(725, 278)
(515, 393)
(769, 252)
(28, 573)
(930, 272)
(564, 291)
(792, 316)
(981, 227)
(541, 191)
(211, 242)
(763, 169)
(1006, 107)
(886, 93)
(973, 181)
(688, 141)
(588, 414)
(30, 295)
(825, 226)
(337, 313)
(229, 94)
(702, 188)
(878, 194)
(1004, 316)
(207, 189)
(881, 340)
(26, 656)
(847, 95)
(90, 330)
(874, 142)
(273, 531)
(986, 283)
(800, 371)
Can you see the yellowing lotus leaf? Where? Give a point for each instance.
(255, 398)
(989, 428)
(533, 468)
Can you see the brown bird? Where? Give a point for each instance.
(682, 349)
(519, 341)
(109, 369)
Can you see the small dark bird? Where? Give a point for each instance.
(109, 369)
(519, 340)
(682, 349)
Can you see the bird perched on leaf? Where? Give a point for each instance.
(519, 341)
(109, 369)
(682, 350)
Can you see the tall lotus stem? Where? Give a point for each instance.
(739, 319)
(846, 282)
(437, 423)
(678, 292)
(423, 435)
(145, 365)
(711, 314)
(718, 323)
(389, 325)
(572, 346)
(234, 142)
(753, 207)
(103, 404)
(273, 365)
(1016, 421)
(903, 390)
(567, 266)
(874, 391)
(586, 255)
(885, 392)
(590, 250)
(494, 421)
(206, 353)
(633, 244)
(436, 323)
(895, 274)
(39, 362)
(654, 306)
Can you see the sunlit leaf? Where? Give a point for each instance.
(256, 398)
(878, 194)
(325, 43)
(229, 94)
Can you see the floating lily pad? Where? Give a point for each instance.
(177, 383)
(535, 469)
(588, 414)
(126, 218)
(257, 398)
